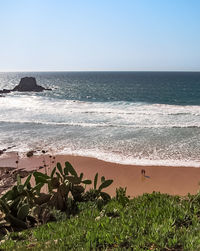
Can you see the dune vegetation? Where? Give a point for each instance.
(69, 215)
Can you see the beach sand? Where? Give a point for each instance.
(165, 179)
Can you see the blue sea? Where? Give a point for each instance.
(143, 118)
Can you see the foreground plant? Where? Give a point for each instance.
(148, 222)
(96, 193)
(23, 206)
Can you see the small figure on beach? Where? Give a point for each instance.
(143, 172)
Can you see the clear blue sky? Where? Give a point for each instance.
(48, 35)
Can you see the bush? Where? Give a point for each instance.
(24, 206)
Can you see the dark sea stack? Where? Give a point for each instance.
(28, 84)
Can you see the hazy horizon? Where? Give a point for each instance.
(35, 71)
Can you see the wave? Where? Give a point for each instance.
(29, 109)
(133, 113)
(49, 105)
(125, 160)
(53, 105)
(98, 125)
(116, 158)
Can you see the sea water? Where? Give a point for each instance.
(144, 118)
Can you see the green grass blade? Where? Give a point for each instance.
(53, 172)
(27, 180)
(60, 168)
(71, 169)
(105, 184)
(87, 182)
(95, 181)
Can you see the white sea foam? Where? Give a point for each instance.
(188, 125)
(43, 110)
(114, 158)
(121, 132)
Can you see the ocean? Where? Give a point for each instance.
(140, 118)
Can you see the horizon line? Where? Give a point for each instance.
(13, 71)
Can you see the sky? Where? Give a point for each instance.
(99, 35)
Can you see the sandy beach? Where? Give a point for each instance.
(165, 179)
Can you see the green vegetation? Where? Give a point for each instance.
(89, 220)
(24, 206)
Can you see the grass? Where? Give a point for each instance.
(149, 222)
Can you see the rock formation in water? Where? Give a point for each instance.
(27, 84)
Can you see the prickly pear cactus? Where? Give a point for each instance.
(42, 198)
(23, 212)
(55, 182)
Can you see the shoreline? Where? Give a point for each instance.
(165, 179)
(134, 162)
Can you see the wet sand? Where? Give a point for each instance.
(165, 179)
